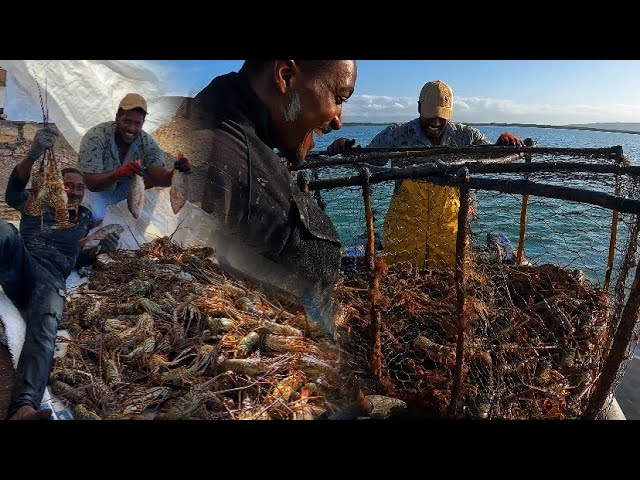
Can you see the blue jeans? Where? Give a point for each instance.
(41, 295)
(98, 202)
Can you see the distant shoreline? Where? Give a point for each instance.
(533, 125)
(559, 127)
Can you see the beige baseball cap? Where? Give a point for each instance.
(133, 100)
(436, 100)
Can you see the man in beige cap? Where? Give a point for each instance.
(113, 153)
(421, 224)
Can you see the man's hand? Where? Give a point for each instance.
(129, 169)
(182, 165)
(109, 243)
(509, 139)
(340, 145)
(43, 139)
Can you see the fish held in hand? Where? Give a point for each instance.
(179, 188)
(135, 199)
(102, 232)
(178, 191)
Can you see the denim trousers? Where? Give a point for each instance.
(40, 294)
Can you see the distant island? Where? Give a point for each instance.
(633, 128)
(364, 124)
(615, 127)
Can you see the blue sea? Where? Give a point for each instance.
(564, 233)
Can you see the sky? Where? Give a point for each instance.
(555, 92)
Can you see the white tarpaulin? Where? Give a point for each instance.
(82, 93)
(192, 226)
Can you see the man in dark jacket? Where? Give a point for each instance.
(269, 230)
(34, 265)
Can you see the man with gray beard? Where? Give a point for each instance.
(269, 230)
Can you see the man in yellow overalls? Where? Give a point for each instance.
(422, 220)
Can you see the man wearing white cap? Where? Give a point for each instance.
(113, 153)
(421, 223)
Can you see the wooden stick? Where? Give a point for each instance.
(612, 239)
(374, 282)
(487, 166)
(623, 271)
(619, 350)
(623, 205)
(461, 251)
(360, 155)
(523, 218)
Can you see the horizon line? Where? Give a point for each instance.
(534, 125)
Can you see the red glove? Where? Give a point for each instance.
(182, 165)
(340, 145)
(129, 169)
(509, 139)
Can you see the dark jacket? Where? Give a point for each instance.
(253, 195)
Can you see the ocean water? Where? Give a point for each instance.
(564, 233)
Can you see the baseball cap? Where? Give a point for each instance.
(436, 100)
(133, 100)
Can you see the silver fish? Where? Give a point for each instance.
(135, 199)
(179, 190)
(102, 232)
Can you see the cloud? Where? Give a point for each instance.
(379, 108)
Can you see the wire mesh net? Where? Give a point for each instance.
(512, 334)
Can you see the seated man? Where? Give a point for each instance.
(113, 153)
(34, 264)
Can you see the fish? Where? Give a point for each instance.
(179, 188)
(178, 191)
(135, 199)
(102, 233)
